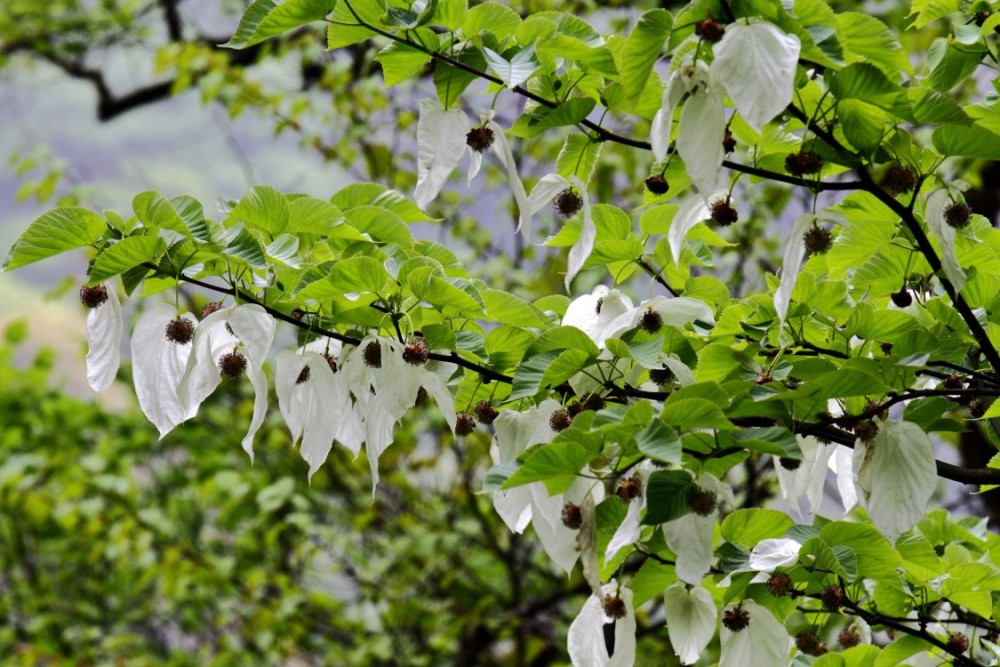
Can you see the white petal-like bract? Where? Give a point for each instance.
(699, 138)
(937, 202)
(440, 146)
(690, 537)
(585, 641)
(763, 642)
(584, 245)
(896, 476)
(157, 367)
(795, 254)
(756, 64)
(774, 553)
(104, 339)
(691, 620)
(691, 212)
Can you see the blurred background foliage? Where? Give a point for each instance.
(116, 549)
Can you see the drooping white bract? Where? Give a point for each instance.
(756, 65)
(246, 329)
(691, 536)
(545, 190)
(937, 202)
(691, 212)
(702, 124)
(316, 404)
(808, 479)
(795, 254)
(763, 642)
(158, 364)
(691, 620)
(531, 503)
(383, 394)
(896, 476)
(629, 529)
(441, 137)
(586, 633)
(767, 555)
(104, 340)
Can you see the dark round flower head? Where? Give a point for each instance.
(723, 213)
(662, 377)
(818, 240)
(614, 607)
(832, 598)
(728, 142)
(809, 643)
(92, 297)
(304, 375)
(180, 330)
(568, 203)
(657, 184)
(977, 408)
(210, 308)
(464, 424)
(629, 489)
(593, 402)
(902, 298)
(779, 584)
(980, 18)
(372, 354)
(849, 637)
(710, 30)
(803, 162)
(479, 138)
(485, 412)
(953, 382)
(572, 518)
(957, 215)
(866, 430)
(703, 502)
(899, 180)
(232, 365)
(415, 353)
(958, 643)
(599, 304)
(651, 321)
(736, 619)
(886, 348)
(790, 464)
(560, 420)
(297, 314)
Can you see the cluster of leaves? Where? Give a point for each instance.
(620, 427)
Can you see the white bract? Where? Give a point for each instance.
(691, 212)
(770, 554)
(383, 394)
(763, 642)
(691, 620)
(691, 536)
(702, 124)
(896, 476)
(440, 145)
(158, 364)
(756, 65)
(586, 634)
(808, 479)
(316, 404)
(547, 189)
(629, 529)
(247, 330)
(937, 202)
(104, 340)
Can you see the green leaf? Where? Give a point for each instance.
(864, 124)
(557, 464)
(528, 378)
(578, 157)
(571, 112)
(867, 38)
(381, 225)
(659, 442)
(747, 527)
(515, 71)
(154, 211)
(263, 207)
(866, 82)
(668, 496)
(876, 558)
(967, 141)
(55, 232)
(928, 11)
(449, 13)
(126, 254)
(565, 366)
(564, 338)
(923, 105)
(242, 244)
(451, 81)
(285, 249)
(596, 59)
(309, 215)
(374, 194)
(508, 309)
(651, 580)
(642, 50)
(694, 413)
(264, 19)
(491, 17)
(440, 293)
(344, 29)
(401, 61)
